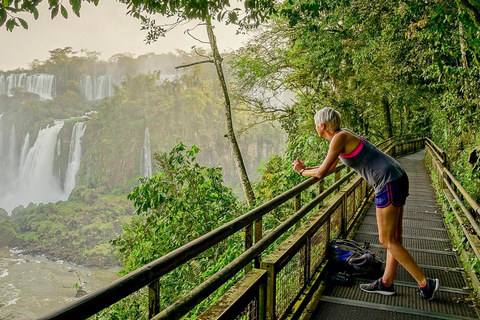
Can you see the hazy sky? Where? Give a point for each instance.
(105, 28)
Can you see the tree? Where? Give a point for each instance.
(255, 11)
(10, 8)
(182, 202)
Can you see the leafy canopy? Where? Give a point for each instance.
(254, 11)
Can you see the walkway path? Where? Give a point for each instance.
(429, 243)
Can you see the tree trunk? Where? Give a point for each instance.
(242, 172)
(463, 49)
(388, 120)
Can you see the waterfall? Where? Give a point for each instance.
(104, 87)
(74, 158)
(41, 84)
(97, 87)
(35, 181)
(12, 150)
(87, 87)
(2, 84)
(1, 136)
(25, 147)
(33, 174)
(146, 157)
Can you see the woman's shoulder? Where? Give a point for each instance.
(347, 133)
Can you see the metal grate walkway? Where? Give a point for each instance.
(425, 237)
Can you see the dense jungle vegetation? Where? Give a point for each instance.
(183, 108)
(390, 67)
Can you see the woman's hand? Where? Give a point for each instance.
(298, 165)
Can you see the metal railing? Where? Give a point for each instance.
(465, 209)
(306, 250)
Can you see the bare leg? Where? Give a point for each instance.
(389, 230)
(391, 263)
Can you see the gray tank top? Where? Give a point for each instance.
(376, 167)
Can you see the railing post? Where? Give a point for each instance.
(258, 237)
(271, 290)
(297, 204)
(321, 188)
(343, 227)
(248, 243)
(262, 301)
(153, 299)
(445, 160)
(328, 229)
(307, 261)
(337, 177)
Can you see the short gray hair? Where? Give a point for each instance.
(329, 116)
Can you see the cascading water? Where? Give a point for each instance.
(41, 84)
(34, 175)
(37, 181)
(104, 87)
(74, 158)
(146, 157)
(97, 87)
(12, 151)
(25, 147)
(87, 87)
(1, 137)
(2, 84)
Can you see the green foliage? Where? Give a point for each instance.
(254, 11)
(3, 214)
(8, 232)
(388, 67)
(9, 8)
(77, 230)
(83, 194)
(184, 201)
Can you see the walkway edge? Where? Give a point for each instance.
(377, 306)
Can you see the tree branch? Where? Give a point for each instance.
(471, 9)
(472, 51)
(188, 32)
(192, 64)
(243, 130)
(201, 55)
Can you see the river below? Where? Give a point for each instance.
(31, 286)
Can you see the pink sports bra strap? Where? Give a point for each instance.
(354, 152)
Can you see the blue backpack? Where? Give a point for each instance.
(353, 258)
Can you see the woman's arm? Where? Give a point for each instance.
(332, 168)
(329, 164)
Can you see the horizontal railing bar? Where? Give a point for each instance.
(434, 145)
(312, 225)
(135, 280)
(471, 239)
(439, 158)
(464, 209)
(201, 292)
(128, 284)
(465, 194)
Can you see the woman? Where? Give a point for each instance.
(390, 182)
